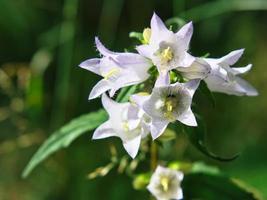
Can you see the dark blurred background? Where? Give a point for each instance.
(41, 88)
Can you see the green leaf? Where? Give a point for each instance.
(125, 93)
(210, 187)
(206, 91)
(197, 138)
(215, 8)
(64, 136)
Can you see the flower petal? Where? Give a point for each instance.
(188, 118)
(102, 49)
(112, 107)
(145, 50)
(101, 87)
(103, 131)
(158, 127)
(187, 60)
(247, 87)
(91, 65)
(163, 80)
(185, 33)
(232, 57)
(158, 31)
(198, 70)
(192, 86)
(132, 146)
(139, 99)
(241, 70)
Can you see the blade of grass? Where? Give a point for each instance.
(219, 7)
(66, 41)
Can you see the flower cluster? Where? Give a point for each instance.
(168, 76)
(169, 100)
(178, 77)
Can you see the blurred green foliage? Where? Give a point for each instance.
(41, 88)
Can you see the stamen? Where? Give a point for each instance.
(166, 55)
(164, 181)
(125, 126)
(111, 73)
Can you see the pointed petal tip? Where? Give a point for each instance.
(253, 93)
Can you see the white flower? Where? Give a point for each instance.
(126, 122)
(224, 79)
(166, 49)
(117, 69)
(168, 103)
(199, 69)
(165, 184)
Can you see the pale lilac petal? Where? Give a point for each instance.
(113, 108)
(163, 80)
(185, 33)
(112, 92)
(101, 87)
(192, 86)
(158, 127)
(198, 70)
(157, 25)
(232, 57)
(187, 61)
(103, 131)
(247, 87)
(139, 99)
(145, 50)
(158, 31)
(188, 118)
(132, 146)
(131, 59)
(241, 70)
(91, 65)
(135, 63)
(102, 49)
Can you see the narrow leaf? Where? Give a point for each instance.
(197, 138)
(64, 136)
(125, 93)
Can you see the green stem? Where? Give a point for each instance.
(153, 156)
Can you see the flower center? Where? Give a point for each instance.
(125, 126)
(170, 105)
(110, 73)
(166, 55)
(165, 182)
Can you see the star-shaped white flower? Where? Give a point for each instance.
(166, 49)
(168, 103)
(117, 69)
(126, 121)
(165, 184)
(225, 79)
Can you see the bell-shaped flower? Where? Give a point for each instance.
(125, 121)
(168, 103)
(117, 69)
(166, 49)
(224, 78)
(165, 184)
(199, 69)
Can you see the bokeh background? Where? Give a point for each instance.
(41, 88)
